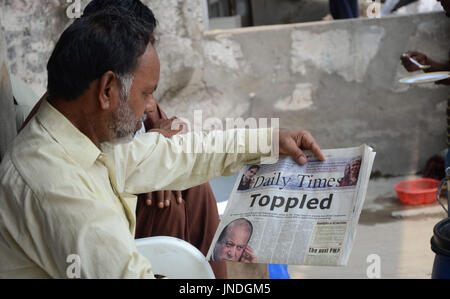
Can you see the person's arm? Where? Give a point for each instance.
(162, 199)
(84, 226)
(424, 60)
(63, 219)
(153, 162)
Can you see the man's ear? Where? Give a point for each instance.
(108, 90)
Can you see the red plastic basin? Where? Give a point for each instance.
(417, 191)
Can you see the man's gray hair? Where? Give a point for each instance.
(126, 80)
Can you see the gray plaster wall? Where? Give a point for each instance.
(337, 79)
(32, 28)
(7, 120)
(340, 81)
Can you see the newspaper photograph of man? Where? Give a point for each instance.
(247, 180)
(232, 244)
(351, 173)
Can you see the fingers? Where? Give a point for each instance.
(163, 198)
(408, 65)
(176, 126)
(288, 146)
(168, 125)
(249, 255)
(179, 126)
(419, 57)
(171, 124)
(160, 198)
(148, 201)
(249, 250)
(179, 197)
(308, 142)
(293, 144)
(167, 196)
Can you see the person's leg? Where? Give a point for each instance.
(195, 221)
(341, 9)
(152, 221)
(353, 4)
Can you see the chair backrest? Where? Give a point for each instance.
(174, 258)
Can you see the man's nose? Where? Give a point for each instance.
(150, 104)
(231, 252)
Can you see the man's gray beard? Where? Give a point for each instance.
(123, 125)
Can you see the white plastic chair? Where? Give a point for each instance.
(174, 258)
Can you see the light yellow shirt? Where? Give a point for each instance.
(62, 196)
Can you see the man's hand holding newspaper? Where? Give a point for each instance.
(292, 142)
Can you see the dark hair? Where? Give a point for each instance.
(111, 40)
(139, 10)
(254, 166)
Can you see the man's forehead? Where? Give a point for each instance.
(148, 66)
(238, 232)
(149, 54)
(236, 241)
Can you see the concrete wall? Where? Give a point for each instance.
(337, 79)
(7, 120)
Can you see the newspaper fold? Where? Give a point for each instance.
(284, 213)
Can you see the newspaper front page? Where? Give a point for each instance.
(284, 213)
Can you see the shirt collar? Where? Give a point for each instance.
(76, 144)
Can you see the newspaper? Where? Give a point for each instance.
(284, 213)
